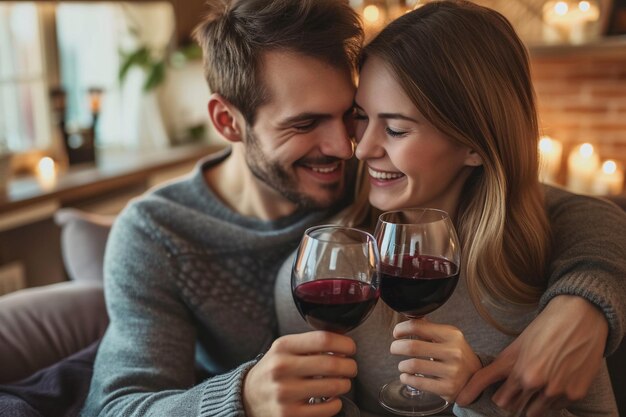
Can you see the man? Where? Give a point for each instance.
(190, 267)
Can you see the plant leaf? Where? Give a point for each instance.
(156, 75)
(140, 57)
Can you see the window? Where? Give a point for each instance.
(90, 39)
(24, 106)
(85, 54)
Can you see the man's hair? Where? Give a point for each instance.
(235, 35)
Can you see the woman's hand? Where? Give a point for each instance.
(454, 361)
(284, 380)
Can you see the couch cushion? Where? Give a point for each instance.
(40, 326)
(83, 240)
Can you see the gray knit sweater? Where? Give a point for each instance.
(189, 284)
(589, 260)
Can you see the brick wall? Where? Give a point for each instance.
(581, 94)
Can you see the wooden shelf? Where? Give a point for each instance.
(607, 46)
(114, 171)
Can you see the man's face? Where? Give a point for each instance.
(299, 142)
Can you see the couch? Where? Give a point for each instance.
(44, 329)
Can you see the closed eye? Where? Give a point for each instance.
(394, 133)
(306, 126)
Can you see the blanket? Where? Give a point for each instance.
(57, 391)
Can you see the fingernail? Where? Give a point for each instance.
(498, 401)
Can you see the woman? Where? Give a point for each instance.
(446, 119)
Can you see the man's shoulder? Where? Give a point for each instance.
(556, 197)
(564, 204)
(168, 206)
(174, 194)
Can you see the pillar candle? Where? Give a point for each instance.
(557, 21)
(550, 151)
(609, 179)
(583, 18)
(374, 17)
(46, 173)
(582, 166)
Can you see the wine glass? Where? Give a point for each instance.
(335, 282)
(419, 267)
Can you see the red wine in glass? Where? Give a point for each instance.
(335, 282)
(335, 304)
(419, 286)
(419, 264)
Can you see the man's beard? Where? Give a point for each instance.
(279, 179)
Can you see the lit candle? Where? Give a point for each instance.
(583, 16)
(582, 165)
(46, 173)
(374, 18)
(572, 21)
(609, 180)
(557, 21)
(550, 151)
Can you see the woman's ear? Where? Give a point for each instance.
(472, 158)
(226, 119)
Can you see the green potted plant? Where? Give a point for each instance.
(163, 70)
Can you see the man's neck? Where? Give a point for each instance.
(234, 184)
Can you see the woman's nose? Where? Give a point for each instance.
(368, 146)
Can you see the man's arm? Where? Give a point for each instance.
(145, 364)
(146, 361)
(584, 307)
(589, 257)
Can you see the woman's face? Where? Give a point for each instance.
(410, 162)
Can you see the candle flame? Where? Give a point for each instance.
(46, 173)
(546, 145)
(584, 6)
(586, 150)
(371, 13)
(45, 165)
(561, 8)
(609, 167)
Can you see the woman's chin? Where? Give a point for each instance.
(383, 203)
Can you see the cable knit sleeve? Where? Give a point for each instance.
(145, 365)
(589, 256)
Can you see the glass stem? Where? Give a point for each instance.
(411, 392)
(408, 390)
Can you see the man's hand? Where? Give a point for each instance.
(551, 364)
(296, 368)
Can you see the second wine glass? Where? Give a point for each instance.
(420, 259)
(335, 281)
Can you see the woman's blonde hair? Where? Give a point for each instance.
(467, 72)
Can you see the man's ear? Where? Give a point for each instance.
(472, 158)
(226, 119)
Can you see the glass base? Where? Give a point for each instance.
(348, 409)
(406, 401)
